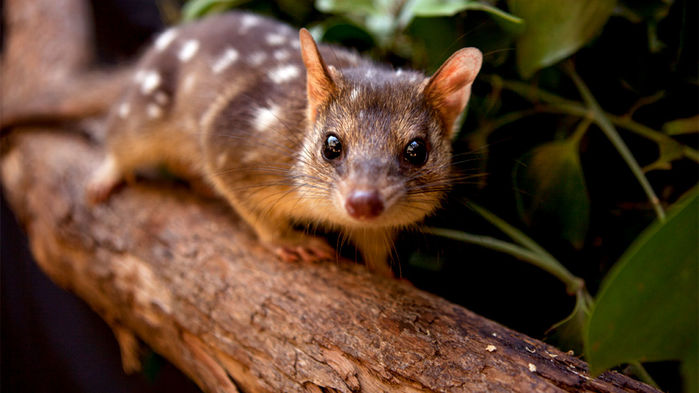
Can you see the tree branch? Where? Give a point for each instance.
(186, 277)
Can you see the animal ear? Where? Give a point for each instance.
(319, 83)
(449, 89)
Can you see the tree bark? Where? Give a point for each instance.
(185, 276)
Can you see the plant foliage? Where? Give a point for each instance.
(647, 308)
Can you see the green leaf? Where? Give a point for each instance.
(434, 40)
(382, 26)
(195, 9)
(690, 365)
(358, 7)
(568, 333)
(377, 17)
(433, 8)
(555, 29)
(689, 125)
(386, 18)
(347, 34)
(552, 190)
(646, 309)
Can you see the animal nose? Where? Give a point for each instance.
(364, 204)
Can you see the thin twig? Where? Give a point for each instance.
(601, 119)
(551, 266)
(565, 106)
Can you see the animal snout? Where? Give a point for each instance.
(364, 204)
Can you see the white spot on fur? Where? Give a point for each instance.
(248, 21)
(281, 54)
(284, 73)
(124, 110)
(221, 159)
(369, 73)
(228, 57)
(165, 39)
(398, 72)
(252, 155)
(266, 117)
(161, 98)
(296, 44)
(257, 58)
(188, 50)
(139, 76)
(108, 168)
(354, 94)
(105, 177)
(188, 82)
(274, 39)
(154, 111)
(150, 81)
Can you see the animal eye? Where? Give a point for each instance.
(332, 148)
(416, 152)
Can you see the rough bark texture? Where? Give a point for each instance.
(186, 277)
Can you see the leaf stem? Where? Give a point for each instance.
(647, 132)
(562, 105)
(626, 123)
(510, 231)
(690, 153)
(580, 131)
(603, 122)
(532, 93)
(549, 265)
(496, 11)
(512, 117)
(533, 253)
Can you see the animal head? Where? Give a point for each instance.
(378, 144)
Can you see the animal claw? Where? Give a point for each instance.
(316, 250)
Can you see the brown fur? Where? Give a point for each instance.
(255, 129)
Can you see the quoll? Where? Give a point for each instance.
(291, 133)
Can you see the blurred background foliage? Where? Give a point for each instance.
(580, 150)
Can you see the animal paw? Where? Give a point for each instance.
(102, 182)
(306, 250)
